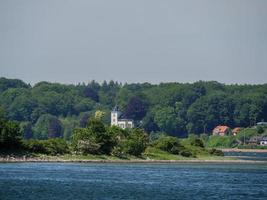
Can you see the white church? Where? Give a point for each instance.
(117, 119)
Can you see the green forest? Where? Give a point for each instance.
(50, 110)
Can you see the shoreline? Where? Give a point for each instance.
(243, 150)
(36, 160)
(62, 159)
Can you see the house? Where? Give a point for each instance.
(236, 130)
(261, 123)
(117, 119)
(221, 130)
(263, 141)
(255, 140)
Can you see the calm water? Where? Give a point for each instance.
(248, 155)
(65, 181)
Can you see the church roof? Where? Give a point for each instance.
(115, 109)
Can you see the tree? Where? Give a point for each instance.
(47, 126)
(149, 124)
(84, 141)
(26, 130)
(22, 107)
(2, 113)
(136, 142)
(209, 111)
(10, 135)
(99, 114)
(136, 108)
(11, 83)
(55, 129)
(94, 139)
(83, 105)
(175, 108)
(169, 144)
(69, 124)
(84, 119)
(166, 120)
(91, 93)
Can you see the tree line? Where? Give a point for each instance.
(50, 110)
(99, 139)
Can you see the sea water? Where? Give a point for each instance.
(63, 181)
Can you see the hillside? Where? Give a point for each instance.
(52, 109)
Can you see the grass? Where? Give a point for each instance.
(152, 153)
(195, 150)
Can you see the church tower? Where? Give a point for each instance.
(115, 113)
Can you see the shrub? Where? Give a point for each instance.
(197, 142)
(118, 152)
(51, 146)
(84, 141)
(88, 147)
(136, 143)
(222, 141)
(56, 146)
(186, 153)
(35, 146)
(216, 152)
(10, 135)
(94, 139)
(169, 144)
(260, 129)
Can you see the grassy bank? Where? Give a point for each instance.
(110, 159)
(151, 154)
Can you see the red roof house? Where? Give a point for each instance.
(221, 130)
(236, 130)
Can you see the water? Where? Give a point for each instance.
(258, 156)
(37, 181)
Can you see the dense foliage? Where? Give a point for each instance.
(169, 144)
(52, 146)
(48, 110)
(98, 139)
(10, 135)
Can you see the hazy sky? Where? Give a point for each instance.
(73, 41)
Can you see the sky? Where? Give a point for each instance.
(72, 41)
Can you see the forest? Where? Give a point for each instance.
(50, 110)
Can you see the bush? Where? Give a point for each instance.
(118, 152)
(186, 153)
(136, 143)
(10, 135)
(56, 146)
(216, 152)
(51, 146)
(222, 141)
(35, 146)
(260, 129)
(83, 141)
(169, 144)
(94, 139)
(197, 142)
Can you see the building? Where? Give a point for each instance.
(236, 130)
(254, 140)
(117, 119)
(262, 124)
(221, 130)
(258, 140)
(263, 141)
